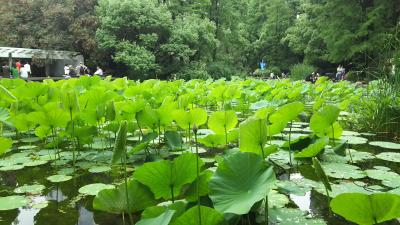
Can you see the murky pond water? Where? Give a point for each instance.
(62, 204)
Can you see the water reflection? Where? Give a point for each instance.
(26, 215)
(86, 217)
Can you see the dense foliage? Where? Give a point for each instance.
(201, 38)
(215, 151)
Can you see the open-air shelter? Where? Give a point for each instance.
(53, 60)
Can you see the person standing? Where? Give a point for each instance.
(27, 69)
(18, 65)
(99, 71)
(81, 69)
(6, 71)
(66, 70)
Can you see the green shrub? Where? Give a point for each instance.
(301, 71)
(195, 70)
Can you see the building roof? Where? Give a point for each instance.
(37, 53)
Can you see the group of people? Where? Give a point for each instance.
(80, 70)
(340, 73)
(22, 70)
(313, 77)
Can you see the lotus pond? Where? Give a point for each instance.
(90, 151)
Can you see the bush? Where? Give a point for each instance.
(195, 70)
(301, 71)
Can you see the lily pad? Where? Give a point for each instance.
(99, 169)
(389, 156)
(94, 189)
(291, 216)
(58, 178)
(13, 202)
(31, 189)
(35, 163)
(354, 140)
(345, 187)
(384, 144)
(343, 171)
(277, 200)
(11, 167)
(40, 205)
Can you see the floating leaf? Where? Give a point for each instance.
(99, 169)
(389, 156)
(384, 144)
(343, 171)
(58, 178)
(13, 202)
(94, 189)
(31, 189)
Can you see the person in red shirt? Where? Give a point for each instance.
(18, 65)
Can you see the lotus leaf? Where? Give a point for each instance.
(209, 216)
(383, 144)
(94, 189)
(13, 202)
(241, 180)
(367, 209)
(31, 189)
(223, 121)
(162, 219)
(114, 200)
(167, 178)
(313, 149)
(5, 144)
(59, 178)
(389, 156)
(343, 171)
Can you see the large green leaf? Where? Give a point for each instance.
(321, 173)
(223, 121)
(313, 149)
(209, 216)
(164, 177)
(253, 136)
(241, 180)
(173, 139)
(120, 143)
(162, 219)
(186, 119)
(287, 113)
(323, 120)
(5, 144)
(114, 200)
(367, 209)
(148, 118)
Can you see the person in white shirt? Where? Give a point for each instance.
(66, 69)
(27, 70)
(23, 73)
(98, 72)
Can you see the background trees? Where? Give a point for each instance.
(208, 38)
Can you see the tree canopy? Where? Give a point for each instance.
(207, 38)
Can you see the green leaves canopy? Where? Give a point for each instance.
(241, 180)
